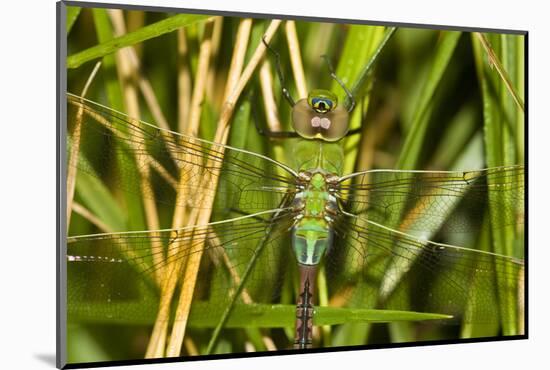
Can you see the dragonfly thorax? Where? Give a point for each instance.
(316, 209)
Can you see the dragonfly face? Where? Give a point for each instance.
(320, 117)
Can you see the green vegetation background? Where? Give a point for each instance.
(433, 101)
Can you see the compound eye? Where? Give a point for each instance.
(302, 116)
(322, 105)
(337, 126)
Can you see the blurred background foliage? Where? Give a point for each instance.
(433, 100)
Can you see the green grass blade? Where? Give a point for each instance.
(361, 45)
(399, 267)
(414, 142)
(361, 49)
(97, 198)
(104, 31)
(362, 79)
(72, 15)
(487, 329)
(460, 130)
(499, 114)
(82, 346)
(244, 277)
(337, 315)
(142, 34)
(500, 68)
(252, 315)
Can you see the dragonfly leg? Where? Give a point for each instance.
(279, 70)
(359, 129)
(340, 82)
(267, 132)
(304, 308)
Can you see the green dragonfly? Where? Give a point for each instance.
(270, 219)
(271, 225)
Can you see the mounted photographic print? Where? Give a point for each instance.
(242, 185)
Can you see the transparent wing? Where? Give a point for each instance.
(393, 270)
(170, 168)
(425, 200)
(117, 277)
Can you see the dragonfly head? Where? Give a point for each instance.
(320, 117)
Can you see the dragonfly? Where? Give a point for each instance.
(274, 224)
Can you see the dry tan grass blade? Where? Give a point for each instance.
(495, 61)
(85, 213)
(75, 148)
(143, 83)
(204, 213)
(160, 330)
(266, 83)
(214, 95)
(127, 72)
(184, 81)
(296, 59)
(272, 119)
